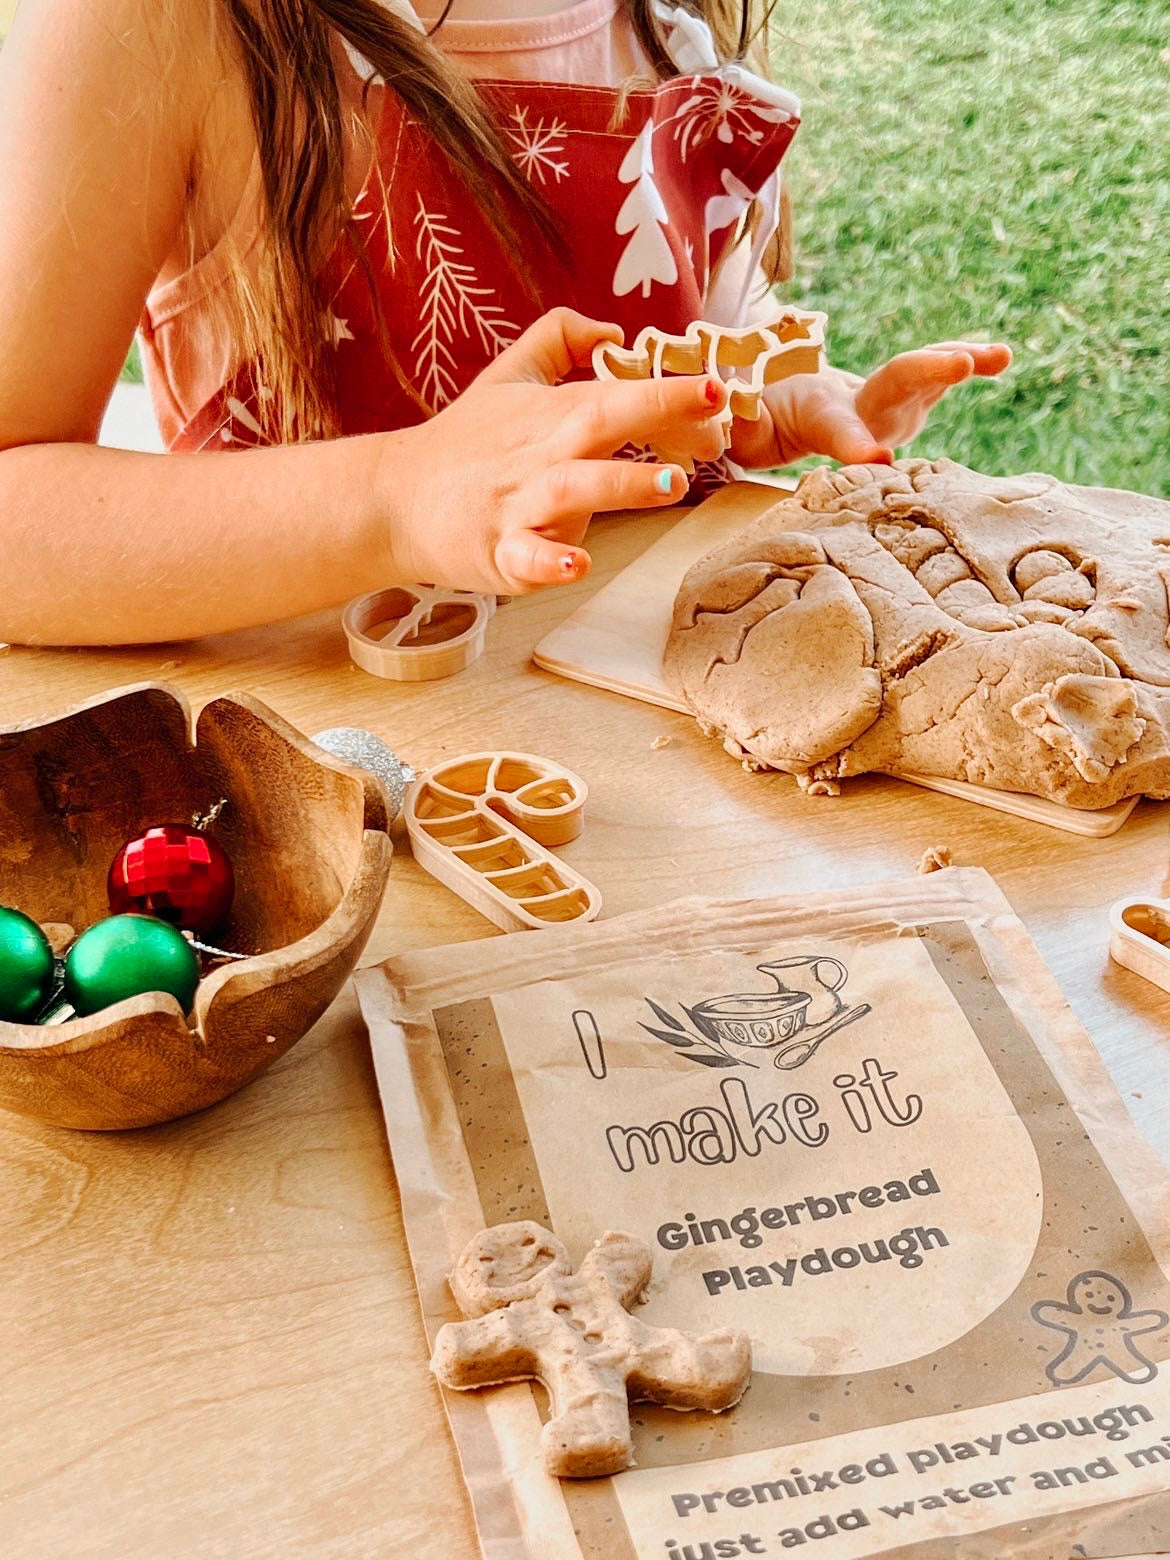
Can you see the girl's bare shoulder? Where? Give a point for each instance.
(105, 110)
(130, 56)
(163, 78)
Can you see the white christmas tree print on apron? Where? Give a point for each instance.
(647, 258)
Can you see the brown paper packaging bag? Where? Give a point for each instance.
(866, 1129)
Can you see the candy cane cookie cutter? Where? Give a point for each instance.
(1139, 938)
(747, 359)
(483, 824)
(415, 633)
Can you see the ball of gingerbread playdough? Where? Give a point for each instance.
(923, 618)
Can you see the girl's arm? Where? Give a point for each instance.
(100, 106)
(102, 110)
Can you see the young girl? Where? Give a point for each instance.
(339, 228)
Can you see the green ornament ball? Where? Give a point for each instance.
(125, 956)
(26, 967)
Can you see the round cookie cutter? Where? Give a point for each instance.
(416, 633)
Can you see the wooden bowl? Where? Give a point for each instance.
(308, 838)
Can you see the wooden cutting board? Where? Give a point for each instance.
(617, 639)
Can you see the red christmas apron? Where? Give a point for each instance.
(647, 208)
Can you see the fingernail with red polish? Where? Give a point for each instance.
(713, 392)
(568, 565)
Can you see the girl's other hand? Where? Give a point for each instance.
(495, 492)
(860, 421)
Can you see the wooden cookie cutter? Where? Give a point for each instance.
(1139, 938)
(746, 359)
(481, 824)
(415, 633)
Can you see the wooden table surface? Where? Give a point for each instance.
(211, 1338)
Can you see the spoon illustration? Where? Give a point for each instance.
(796, 1054)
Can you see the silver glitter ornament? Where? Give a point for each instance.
(367, 751)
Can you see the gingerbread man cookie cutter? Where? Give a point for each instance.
(415, 633)
(532, 1318)
(483, 825)
(1099, 1324)
(747, 359)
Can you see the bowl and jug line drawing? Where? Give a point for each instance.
(793, 1021)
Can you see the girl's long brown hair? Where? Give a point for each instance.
(289, 53)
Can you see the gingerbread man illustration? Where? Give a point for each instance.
(531, 1317)
(1100, 1325)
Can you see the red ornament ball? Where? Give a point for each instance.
(176, 873)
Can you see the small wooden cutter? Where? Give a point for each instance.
(1139, 938)
(416, 633)
(482, 824)
(745, 359)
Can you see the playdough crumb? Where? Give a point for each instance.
(934, 859)
(813, 787)
(660, 742)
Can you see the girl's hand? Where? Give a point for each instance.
(496, 492)
(859, 421)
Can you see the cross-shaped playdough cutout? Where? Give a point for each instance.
(531, 1317)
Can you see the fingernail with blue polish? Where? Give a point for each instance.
(664, 480)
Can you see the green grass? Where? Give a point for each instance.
(132, 369)
(998, 168)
